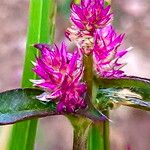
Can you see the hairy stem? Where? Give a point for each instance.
(81, 129)
(80, 139)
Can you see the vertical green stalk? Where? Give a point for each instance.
(40, 29)
(106, 132)
(81, 128)
(105, 125)
(98, 137)
(88, 73)
(99, 132)
(95, 139)
(79, 143)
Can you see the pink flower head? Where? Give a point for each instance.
(106, 53)
(87, 17)
(82, 39)
(90, 15)
(60, 73)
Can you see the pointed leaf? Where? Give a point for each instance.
(93, 114)
(129, 91)
(20, 104)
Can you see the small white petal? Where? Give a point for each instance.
(43, 97)
(35, 64)
(36, 81)
(129, 49)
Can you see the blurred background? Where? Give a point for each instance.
(130, 127)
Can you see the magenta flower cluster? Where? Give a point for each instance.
(90, 15)
(106, 54)
(93, 33)
(61, 72)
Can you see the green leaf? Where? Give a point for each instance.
(20, 104)
(40, 29)
(92, 113)
(128, 91)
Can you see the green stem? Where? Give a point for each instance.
(80, 139)
(99, 133)
(81, 126)
(81, 129)
(88, 73)
(99, 137)
(95, 140)
(106, 132)
(41, 29)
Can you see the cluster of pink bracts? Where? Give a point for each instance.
(61, 72)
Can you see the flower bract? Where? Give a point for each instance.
(90, 15)
(106, 53)
(61, 73)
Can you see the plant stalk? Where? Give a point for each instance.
(106, 132)
(80, 125)
(40, 29)
(88, 73)
(80, 139)
(81, 128)
(99, 133)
